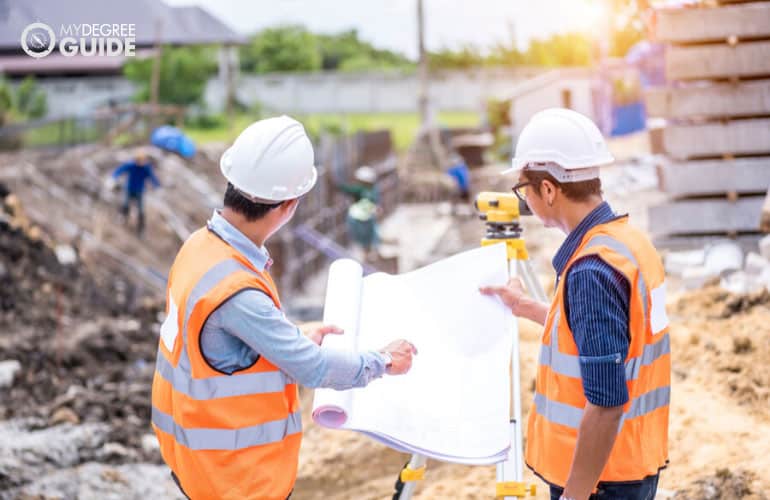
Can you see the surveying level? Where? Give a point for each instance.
(501, 213)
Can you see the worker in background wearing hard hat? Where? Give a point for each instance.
(225, 404)
(599, 422)
(362, 214)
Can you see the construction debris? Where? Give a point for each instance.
(78, 351)
(8, 370)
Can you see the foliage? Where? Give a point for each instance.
(6, 102)
(27, 102)
(30, 99)
(184, 72)
(284, 48)
(294, 48)
(347, 52)
(467, 57)
(630, 27)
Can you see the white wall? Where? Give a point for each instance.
(368, 92)
(352, 92)
(75, 96)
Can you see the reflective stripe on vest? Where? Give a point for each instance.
(569, 416)
(228, 439)
(569, 365)
(219, 387)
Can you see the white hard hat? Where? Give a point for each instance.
(272, 160)
(365, 174)
(565, 138)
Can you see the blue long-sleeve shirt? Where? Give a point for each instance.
(138, 175)
(249, 325)
(596, 301)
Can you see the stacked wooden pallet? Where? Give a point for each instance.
(717, 108)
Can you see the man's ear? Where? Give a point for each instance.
(549, 191)
(289, 205)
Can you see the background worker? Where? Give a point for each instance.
(225, 404)
(460, 174)
(600, 415)
(362, 214)
(138, 172)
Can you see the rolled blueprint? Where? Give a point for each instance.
(342, 308)
(454, 403)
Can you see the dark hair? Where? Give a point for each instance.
(575, 191)
(244, 206)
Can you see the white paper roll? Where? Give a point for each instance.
(343, 304)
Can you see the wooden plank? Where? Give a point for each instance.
(707, 24)
(739, 137)
(749, 59)
(706, 216)
(715, 100)
(698, 178)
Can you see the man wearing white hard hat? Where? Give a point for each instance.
(598, 427)
(225, 406)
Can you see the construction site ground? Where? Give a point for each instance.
(74, 420)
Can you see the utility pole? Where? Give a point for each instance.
(155, 77)
(427, 127)
(423, 67)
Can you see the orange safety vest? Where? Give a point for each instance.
(641, 447)
(224, 436)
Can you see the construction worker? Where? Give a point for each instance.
(225, 404)
(362, 214)
(138, 172)
(599, 424)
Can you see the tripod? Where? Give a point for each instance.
(501, 213)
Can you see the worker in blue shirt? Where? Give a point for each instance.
(596, 452)
(139, 172)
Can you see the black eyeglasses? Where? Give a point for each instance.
(520, 190)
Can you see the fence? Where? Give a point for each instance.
(120, 122)
(323, 211)
(55, 132)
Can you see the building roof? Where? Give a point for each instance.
(178, 25)
(57, 64)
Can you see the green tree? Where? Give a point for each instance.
(284, 48)
(467, 57)
(184, 72)
(6, 101)
(31, 101)
(347, 52)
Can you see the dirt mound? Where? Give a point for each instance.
(39, 289)
(723, 485)
(85, 346)
(722, 340)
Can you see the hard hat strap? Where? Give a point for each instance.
(563, 175)
(254, 199)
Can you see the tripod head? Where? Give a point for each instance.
(501, 213)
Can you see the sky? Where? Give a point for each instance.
(392, 24)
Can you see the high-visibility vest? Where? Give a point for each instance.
(224, 436)
(641, 446)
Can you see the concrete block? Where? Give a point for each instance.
(702, 62)
(711, 24)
